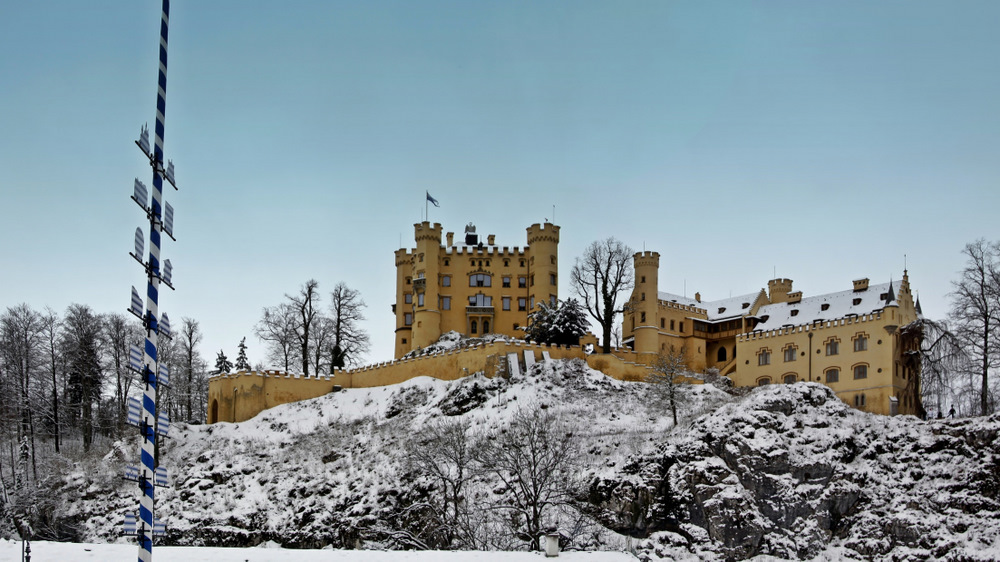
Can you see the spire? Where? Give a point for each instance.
(891, 295)
(917, 306)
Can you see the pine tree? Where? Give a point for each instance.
(242, 363)
(222, 363)
(562, 324)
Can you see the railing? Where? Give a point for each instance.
(479, 310)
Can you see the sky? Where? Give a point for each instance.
(821, 142)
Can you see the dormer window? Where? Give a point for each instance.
(825, 306)
(795, 312)
(746, 305)
(722, 309)
(857, 302)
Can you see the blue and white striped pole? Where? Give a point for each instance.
(152, 311)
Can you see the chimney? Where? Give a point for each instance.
(451, 239)
(861, 284)
(490, 239)
(697, 297)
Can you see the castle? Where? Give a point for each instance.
(473, 288)
(853, 341)
(860, 341)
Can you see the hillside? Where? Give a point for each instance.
(788, 471)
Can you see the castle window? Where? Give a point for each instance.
(721, 355)
(859, 400)
(764, 357)
(643, 279)
(832, 347)
(487, 265)
(795, 312)
(506, 263)
(522, 282)
(722, 309)
(642, 297)
(445, 303)
(642, 317)
(404, 340)
(408, 298)
(790, 353)
(671, 325)
(552, 260)
(662, 323)
(522, 303)
(408, 280)
(480, 300)
(825, 306)
(531, 302)
(746, 305)
(421, 256)
(447, 262)
(552, 279)
(473, 327)
(532, 280)
(522, 263)
(420, 299)
(833, 375)
(486, 326)
(446, 281)
(681, 330)
(506, 303)
(480, 280)
(763, 381)
(857, 302)
(860, 343)
(506, 282)
(408, 319)
(552, 301)
(789, 379)
(860, 372)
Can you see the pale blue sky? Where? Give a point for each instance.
(825, 140)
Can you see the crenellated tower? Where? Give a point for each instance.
(426, 268)
(644, 301)
(543, 263)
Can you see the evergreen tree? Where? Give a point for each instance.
(222, 363)
(562, 324)
(242, 364)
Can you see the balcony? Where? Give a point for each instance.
(480, 310)
(420, 284)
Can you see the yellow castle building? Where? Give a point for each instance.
(474, 287)
(853, 341)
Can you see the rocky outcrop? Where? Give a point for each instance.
(792, 470)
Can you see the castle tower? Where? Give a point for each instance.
(543, 263)
(778, 289)
(644, 302)
(426, 327)
(404, 282)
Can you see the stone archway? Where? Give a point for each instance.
(213, 412)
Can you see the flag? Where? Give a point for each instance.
(431, 199)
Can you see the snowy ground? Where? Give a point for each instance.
(60, 552)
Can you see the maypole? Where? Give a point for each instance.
(144, 414)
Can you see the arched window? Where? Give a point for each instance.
(474, 326)
(480, 280)
(789, 378)
(833, 375)
(721, 357)
(790, 353)
(859, 400)
(832, 347)
(860, 343)
(763, 381)
(860, 372)
(486, 326)
(764, 357)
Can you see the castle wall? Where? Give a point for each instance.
(241, 396)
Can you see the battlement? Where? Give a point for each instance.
(646, 259)
(684, 307)
(546, 232)
(810, 327)
(424, 231)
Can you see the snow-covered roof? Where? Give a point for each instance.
(732, 307)
(837, 305)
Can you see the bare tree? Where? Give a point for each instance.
(120, 333)
(304, 303)
(350, 340)
(21, 339)
(600, 276)
(975, 312)
(277, 329)
(51, 326)
(666, 368)
(321, 344)
(189, 338)
(444, 454)
(535, 458)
